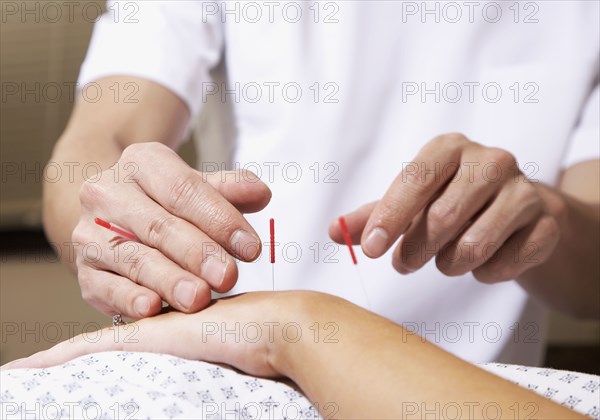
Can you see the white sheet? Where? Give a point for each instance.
(145, 385)
(576, 390)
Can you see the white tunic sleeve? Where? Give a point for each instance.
(585, 141)
(173, 43)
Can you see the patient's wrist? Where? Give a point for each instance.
(310, 321)
(291, 312)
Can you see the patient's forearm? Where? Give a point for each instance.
(379, 370)
(350, 362)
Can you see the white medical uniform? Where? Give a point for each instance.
(330, 101)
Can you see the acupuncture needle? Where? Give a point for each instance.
(272, 237)
(116, 229)
(348, 241)
(131, 236)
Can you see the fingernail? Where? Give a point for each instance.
(14, 364)
(213, 271)
(376, 243)
(142, 305)
(185, 293)
(244, 244)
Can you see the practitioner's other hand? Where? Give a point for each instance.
(465, 204)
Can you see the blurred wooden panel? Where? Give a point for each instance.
(42, 45)
(39, 63)
(40, 56)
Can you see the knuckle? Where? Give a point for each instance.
(137, 264)
(468, 241)
(159, 229)
(91, 193)
(81, 238)
(501, 157)
(555, 207)
(112, 294)
(549, 226)
(79, 234)
(182, 193)
(87, 294)
(456, 138)
(130, 151)
(81, 262)
(156, 146)
(83, 279)
(469, 251)
(452, 140)
(548, 233)
(93, 297)
(134, 152)
(443, 215)
(138, 152)
(526, 192)
(528, 198)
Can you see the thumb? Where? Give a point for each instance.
(242, 188)
(355, 221)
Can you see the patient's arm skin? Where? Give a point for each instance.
(350, 362)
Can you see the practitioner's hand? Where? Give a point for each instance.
(467, 205)
(189, 224)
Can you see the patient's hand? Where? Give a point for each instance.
(242, 331)
(368, 368)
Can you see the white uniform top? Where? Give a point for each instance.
(331, 99)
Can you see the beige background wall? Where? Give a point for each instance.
(40, 301)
